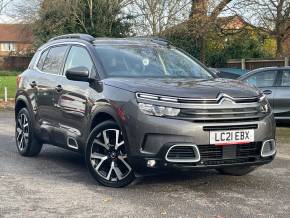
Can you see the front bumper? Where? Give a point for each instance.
(149, 138)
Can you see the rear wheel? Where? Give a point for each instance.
(26, 142)
(237, 171)
(106, 156)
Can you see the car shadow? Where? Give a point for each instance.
(72, 167)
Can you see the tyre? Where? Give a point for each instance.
(236, 171)
(26, 142)
(106, 156)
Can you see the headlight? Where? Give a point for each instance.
(264, 105)
(159, 111)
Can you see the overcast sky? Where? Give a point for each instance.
(4, 17)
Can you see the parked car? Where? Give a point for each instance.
(229, 73)
(138, 105)
(275, 83)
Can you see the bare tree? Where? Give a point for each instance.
(3, 4)
(98, 14)
(154, 16)
(271, 17)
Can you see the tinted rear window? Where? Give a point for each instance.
(54, 60)
(41, 60)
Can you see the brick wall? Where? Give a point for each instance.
(14, 62)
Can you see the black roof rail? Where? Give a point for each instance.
(158, 40)
(85, 37)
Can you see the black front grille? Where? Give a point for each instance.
(246, 150)
(181, 153)
(210, 152)
(213, 152)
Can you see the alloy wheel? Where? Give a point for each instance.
(22, 131)
(108, 155)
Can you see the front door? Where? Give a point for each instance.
(73, 101)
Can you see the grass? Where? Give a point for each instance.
(10, 83)
(9, 73)
(8, 79)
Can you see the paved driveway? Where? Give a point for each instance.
(57, 184)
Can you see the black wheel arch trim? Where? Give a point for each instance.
(107, 108)
(28, 105)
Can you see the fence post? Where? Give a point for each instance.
(286, 61)
(243, 64)
(5, 94)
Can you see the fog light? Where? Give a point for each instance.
(151, 163)
(268, 148)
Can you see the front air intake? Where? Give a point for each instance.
(183, 153)
(268, 148)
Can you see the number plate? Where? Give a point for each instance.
(232, 137)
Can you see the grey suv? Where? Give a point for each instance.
(139, 106)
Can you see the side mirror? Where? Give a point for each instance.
(78, 74)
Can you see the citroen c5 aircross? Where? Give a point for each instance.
(139, 105)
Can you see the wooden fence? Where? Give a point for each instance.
(251, 64)
(14, 63)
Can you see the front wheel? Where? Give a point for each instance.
(106, 156)
(237, 171)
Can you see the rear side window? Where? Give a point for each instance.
(263, 79)
(54, 60)
(78, 57)
(285, 78)
(41, 60)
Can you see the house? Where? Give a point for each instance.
(286, 45)
(231, 23)
(15, 39)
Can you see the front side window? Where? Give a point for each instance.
(78, 57)
(54, 59)
(8, 46)
(149, 61)
(285, 78)
(262, 79)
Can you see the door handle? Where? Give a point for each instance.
(33, 84)
(58, 88)
(267, 92)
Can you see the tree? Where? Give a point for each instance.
(101, 17)
(95, 17)
(3, 4)
(203, 16)
(152, 17)
(271, 17)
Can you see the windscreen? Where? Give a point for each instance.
(149, 61)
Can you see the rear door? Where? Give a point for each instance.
(266, 81)
(282, 96)
(50, 68)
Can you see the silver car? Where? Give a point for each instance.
(275, 83)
